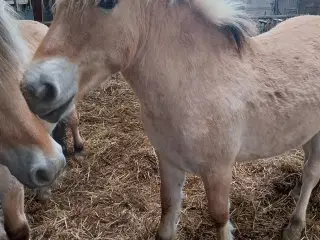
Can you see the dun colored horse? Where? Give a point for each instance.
(33, 32)
(26, 148)
(210, 92)
(11, 191)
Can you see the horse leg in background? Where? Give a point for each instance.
(78, 143)
(310, 178)
(217, 186)
(172, 180)
(295, 193)
(12, 202)
(59, 134)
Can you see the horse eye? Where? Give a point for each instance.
(108, 4)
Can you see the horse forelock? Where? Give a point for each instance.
(13, 49)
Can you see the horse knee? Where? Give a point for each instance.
(218, 206)
(217, 188)
(219, 215)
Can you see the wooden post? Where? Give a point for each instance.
(37, 7)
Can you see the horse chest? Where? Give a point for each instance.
(170, 140)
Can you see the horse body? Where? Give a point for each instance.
(283, 90)
(209, 94)
(257, 105)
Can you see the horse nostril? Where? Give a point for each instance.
(46, 91)
(41, 176)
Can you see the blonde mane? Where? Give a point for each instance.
(13, 49)
(228, 15)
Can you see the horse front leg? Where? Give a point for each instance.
(295, 192)
(78, 143)
(217, 182)
(12, 202)
(172, 180)
(310, 178)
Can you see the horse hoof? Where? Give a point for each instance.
(158, 237)
(22, 233)
(291, 233)
(80, 154)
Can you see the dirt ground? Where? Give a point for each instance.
(114, 193)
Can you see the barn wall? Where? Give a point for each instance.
(309, 7)
(259, 7)
(287, 7)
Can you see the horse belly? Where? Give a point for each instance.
(268, 139)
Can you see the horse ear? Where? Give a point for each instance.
(108, 4)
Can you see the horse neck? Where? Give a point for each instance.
(176, 39)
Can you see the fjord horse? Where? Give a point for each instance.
(11, 190)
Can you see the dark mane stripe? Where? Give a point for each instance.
(229, 16)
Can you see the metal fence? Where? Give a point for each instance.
(284, 9)
(265, 23)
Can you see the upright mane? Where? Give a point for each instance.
(13, 49)
(227, 15)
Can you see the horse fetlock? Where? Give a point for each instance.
(166, 230)
(78, 147)
(294, 229)
(291, 234)
(220, 219)
(165, 235)
(226, 232)
(20, 233)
